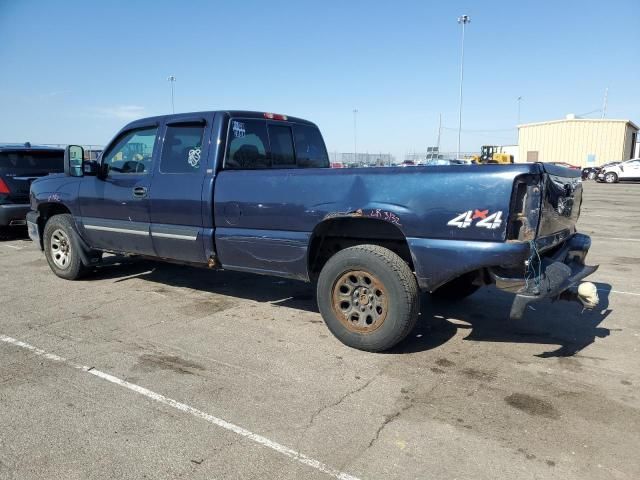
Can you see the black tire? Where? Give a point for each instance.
(5, 234)
(591, 175)
(61, 247)
(392, 301)
(610, 177)
(456, 289)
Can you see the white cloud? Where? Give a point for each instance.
(122, 112)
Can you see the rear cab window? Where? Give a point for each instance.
(260, 144)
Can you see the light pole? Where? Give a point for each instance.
(172, 80)
(463, 20)
(519, 99)
(355, 136)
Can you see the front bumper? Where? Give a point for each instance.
(13, 215)
(555, 273)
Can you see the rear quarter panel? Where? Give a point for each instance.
(265, 218)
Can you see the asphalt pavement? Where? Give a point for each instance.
(151, 370)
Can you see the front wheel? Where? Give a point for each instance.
(368, 297)
(61, 247)
(591, 175)
(610, 177)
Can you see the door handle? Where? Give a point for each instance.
(140, 192)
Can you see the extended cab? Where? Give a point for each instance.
(253, 192)
(20, 164)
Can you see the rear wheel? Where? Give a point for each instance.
(610, 177)
(61, 247)
(591, 175)
(368, 297)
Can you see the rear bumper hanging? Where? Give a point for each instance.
(556, 274)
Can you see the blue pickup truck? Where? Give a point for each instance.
(253, 192)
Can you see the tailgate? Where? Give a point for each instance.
(561, 201)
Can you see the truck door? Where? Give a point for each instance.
(262, 222)
(115, 209)
(177, 190)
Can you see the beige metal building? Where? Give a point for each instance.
(578, 141)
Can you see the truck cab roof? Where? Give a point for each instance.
(231, 113)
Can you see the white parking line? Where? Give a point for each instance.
(616, 238)
(13, 246)
(259, 439)
(618, 291)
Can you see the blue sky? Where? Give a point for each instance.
(78, 71)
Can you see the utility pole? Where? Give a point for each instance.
(355, 136)
(604, 105)
(463, 20)
(172, 80)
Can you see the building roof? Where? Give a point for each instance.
(593, 120)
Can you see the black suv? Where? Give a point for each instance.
(19, 166)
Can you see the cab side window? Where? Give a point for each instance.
(132, 153)
(281, 146)
(182, 149)
(310, 149)
(247, 145)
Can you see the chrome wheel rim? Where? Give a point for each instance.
(60, 248)
(609, 178)
(359, 301)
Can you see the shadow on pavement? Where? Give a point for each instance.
(484, 315)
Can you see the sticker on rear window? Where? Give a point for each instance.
(238, 129)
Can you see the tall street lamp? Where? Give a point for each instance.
(172, 80)
(519, 99)
(463, 20)
(355, 136)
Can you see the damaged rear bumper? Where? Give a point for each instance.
(553, 275)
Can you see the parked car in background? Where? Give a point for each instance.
(623, 171)
(408, 163)
(591, 173)
(20, 164)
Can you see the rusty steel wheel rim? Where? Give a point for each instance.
(359, 301)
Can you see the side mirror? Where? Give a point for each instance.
(73, 160)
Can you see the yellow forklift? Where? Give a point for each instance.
(492, 154)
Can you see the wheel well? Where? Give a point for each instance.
(336, 234)
(48, 210)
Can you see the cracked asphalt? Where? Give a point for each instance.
(469, 395)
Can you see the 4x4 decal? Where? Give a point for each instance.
(485, 220)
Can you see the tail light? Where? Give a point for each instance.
(4, 189)
(525, 208)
